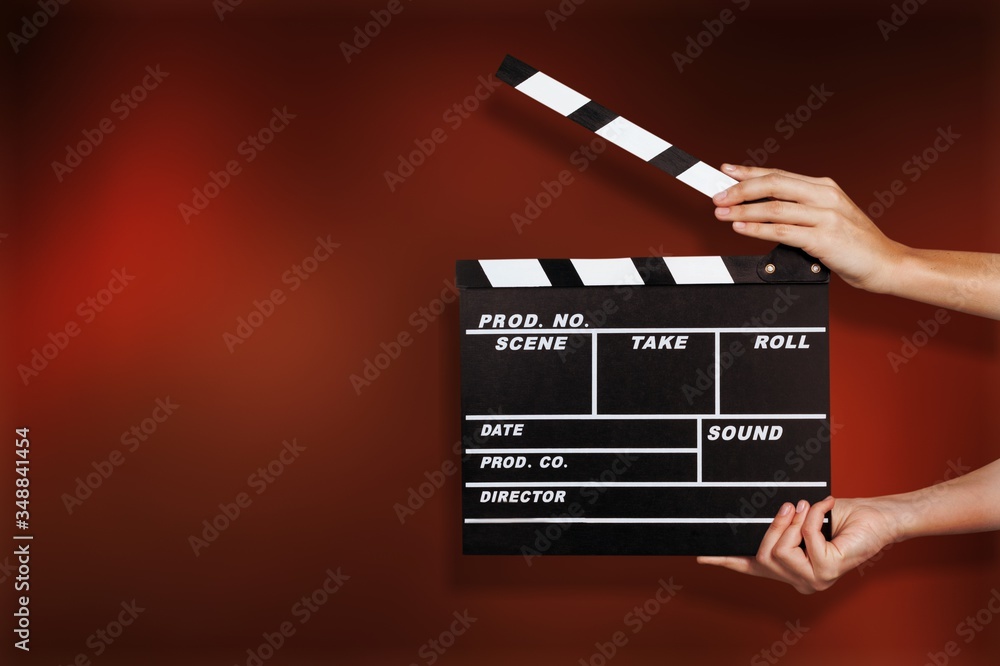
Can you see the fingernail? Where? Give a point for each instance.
(729, 168)
(786, 509)
(801, 506)
(722, 211)
(739, 225)
(720, 196)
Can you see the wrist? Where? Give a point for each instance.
(902, 515)
(895, 263)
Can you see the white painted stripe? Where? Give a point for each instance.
(680, 521)
(718, 375)
(489, 452)
(698, 270)
(515, 273)
(593, 373)
(698, 450)
(637, 417)
(648, 484)
(634, 139)
(734, 329)
(607, 272)
(557, 96)
(707, 180)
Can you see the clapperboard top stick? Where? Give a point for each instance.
(783, 264)
(609, 125)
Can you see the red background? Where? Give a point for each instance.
(323, 175)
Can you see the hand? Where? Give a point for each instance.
(813, 214)
(860, 530)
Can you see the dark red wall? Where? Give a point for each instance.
(323, 176)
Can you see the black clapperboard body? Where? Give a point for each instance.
(639, 406)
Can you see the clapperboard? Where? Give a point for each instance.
(660, 405)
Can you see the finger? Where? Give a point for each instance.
(792, 537)
(789, 234)
(778, 187)
(812, 528)
(743, 172)
(774, 211)
(838, 514)
(787, 551)
(774, 532)
(740, 564)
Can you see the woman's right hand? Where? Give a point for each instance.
(813, 214)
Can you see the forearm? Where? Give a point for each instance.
(963, 281)
(969, 503)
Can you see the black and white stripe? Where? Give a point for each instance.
(612, 127)
(641, 271)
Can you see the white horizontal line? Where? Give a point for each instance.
(647, 484)
(748, 329)
(591, 450)
(634, 417)
(622, 520)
